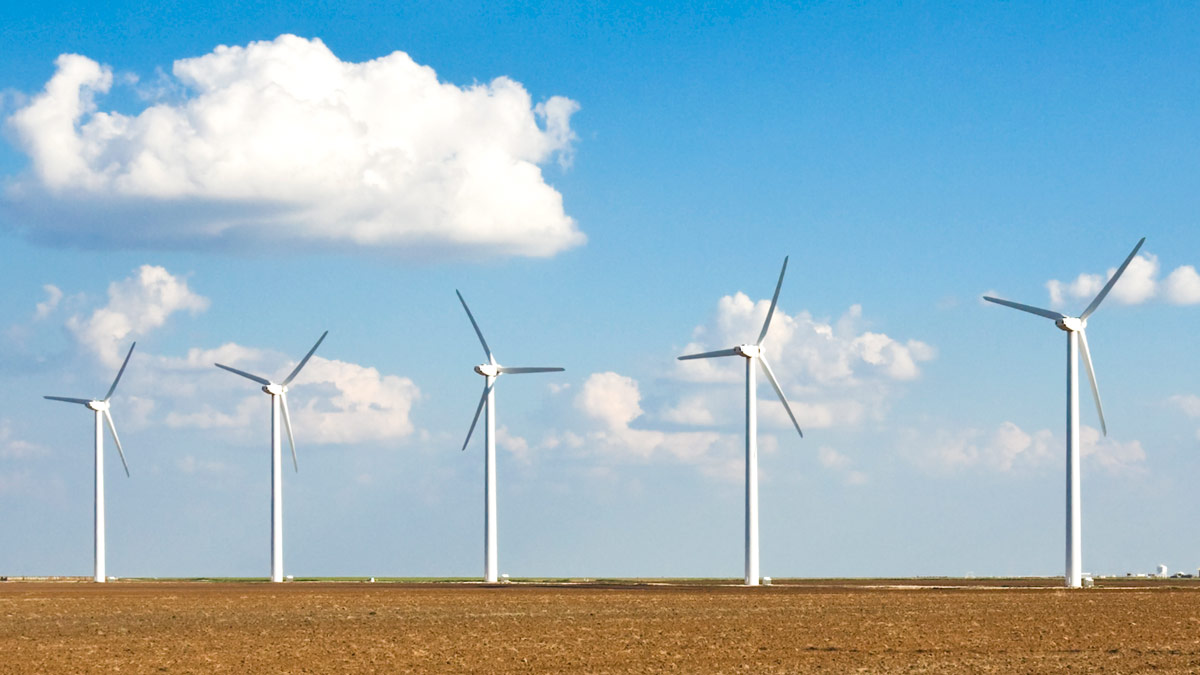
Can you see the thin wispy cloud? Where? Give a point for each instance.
(1010, 449)
(44, 308)
(841, 464)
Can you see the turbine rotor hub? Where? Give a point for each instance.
(1071, 324)
(98, 406)
(488, 370)
(275, 389)
(749, 351)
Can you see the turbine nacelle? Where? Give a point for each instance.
(1071, 324)
(756, 352)
(102, 406)
(492, 370)
(748, 351)
(280, 390)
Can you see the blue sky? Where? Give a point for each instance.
(225, 185)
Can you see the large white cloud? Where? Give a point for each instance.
(282, 142)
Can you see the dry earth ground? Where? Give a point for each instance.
(807, 626)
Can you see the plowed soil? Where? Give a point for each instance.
(812, 626)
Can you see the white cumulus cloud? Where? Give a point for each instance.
(1111, 455)
(614, 402)
(331, 401)
(801, 347)
(136, 305)
(516, 445)
(834, 373)
(282, 142)
(365, 405)
(611, 398)
(1183, 286)
(1084, 286)
(1140, 283)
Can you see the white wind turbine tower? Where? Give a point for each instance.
(100, 408)
(1076, 342)
(490, 371)
(754, 353)
(278, 394)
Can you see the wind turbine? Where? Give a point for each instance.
(100, 408)
(490, 371)
(278, 394)
(1076, 342)
(754, 353)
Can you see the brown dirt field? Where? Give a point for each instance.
(835, 626)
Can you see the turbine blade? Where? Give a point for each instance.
(486, 350)
(778, 390)
(1113, 281)
(121, 451)
(1049, 314)
(120, 373)
(82, 401)
(518, 371)
(304, 360)
(478, 409)
(774, 301)
(710, 355)
(261, 380)
(1087, 363)
(287, 424)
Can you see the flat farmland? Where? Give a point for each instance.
(834, 626)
